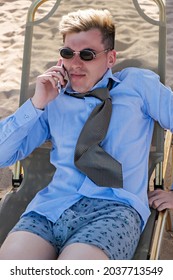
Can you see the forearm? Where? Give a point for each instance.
(27, 129)
(17, 135)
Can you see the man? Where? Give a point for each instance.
(76, 217)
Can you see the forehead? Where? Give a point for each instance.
(84, 39)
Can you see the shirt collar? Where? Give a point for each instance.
(102, 83)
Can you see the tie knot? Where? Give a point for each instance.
(100, 93)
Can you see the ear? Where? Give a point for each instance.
(111, 58)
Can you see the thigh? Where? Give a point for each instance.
(81, 251)
(23, 245)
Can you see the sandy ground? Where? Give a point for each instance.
(135, 38)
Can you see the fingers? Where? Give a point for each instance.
(47, 77)
(58, 74)
(162, 206)
(60, 62)
(58, 78)
(153, 194)
(160, 199)
(54, 77)
(57, 68)
(158, 204)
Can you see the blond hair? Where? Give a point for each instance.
(85, 20)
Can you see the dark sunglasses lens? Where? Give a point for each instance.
(66, 53)
(86, 55)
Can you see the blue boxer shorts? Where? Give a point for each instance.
(112, 226)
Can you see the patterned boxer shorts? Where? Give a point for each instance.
(112, 226)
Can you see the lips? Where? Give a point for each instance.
(76, 75)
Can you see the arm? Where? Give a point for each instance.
(28, 127)
(156, 99)
(160, 199)
(21, 132)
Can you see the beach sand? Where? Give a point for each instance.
(46, 42)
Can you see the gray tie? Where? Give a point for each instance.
(89, 157)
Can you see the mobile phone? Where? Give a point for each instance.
(59, 86)
(66, 74)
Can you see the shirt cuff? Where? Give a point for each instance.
(27, 112)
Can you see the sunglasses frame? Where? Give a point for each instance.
(94, 54)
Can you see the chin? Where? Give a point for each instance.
(80, 89)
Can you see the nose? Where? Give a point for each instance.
(76, 58)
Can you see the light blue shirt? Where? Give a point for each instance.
(138, 98)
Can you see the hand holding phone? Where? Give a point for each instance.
(48, 85)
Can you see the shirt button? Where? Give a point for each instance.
(26, 116)
(90, 105)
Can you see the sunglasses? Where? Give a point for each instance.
(86, 55)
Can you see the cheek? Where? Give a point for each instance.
(100, 70)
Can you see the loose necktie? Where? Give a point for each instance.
(90, 158)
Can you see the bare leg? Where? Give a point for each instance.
(22, 245)
(81, 251)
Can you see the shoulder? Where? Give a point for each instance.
(133, 73)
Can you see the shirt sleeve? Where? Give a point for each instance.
(157, 98)
(21, 133)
